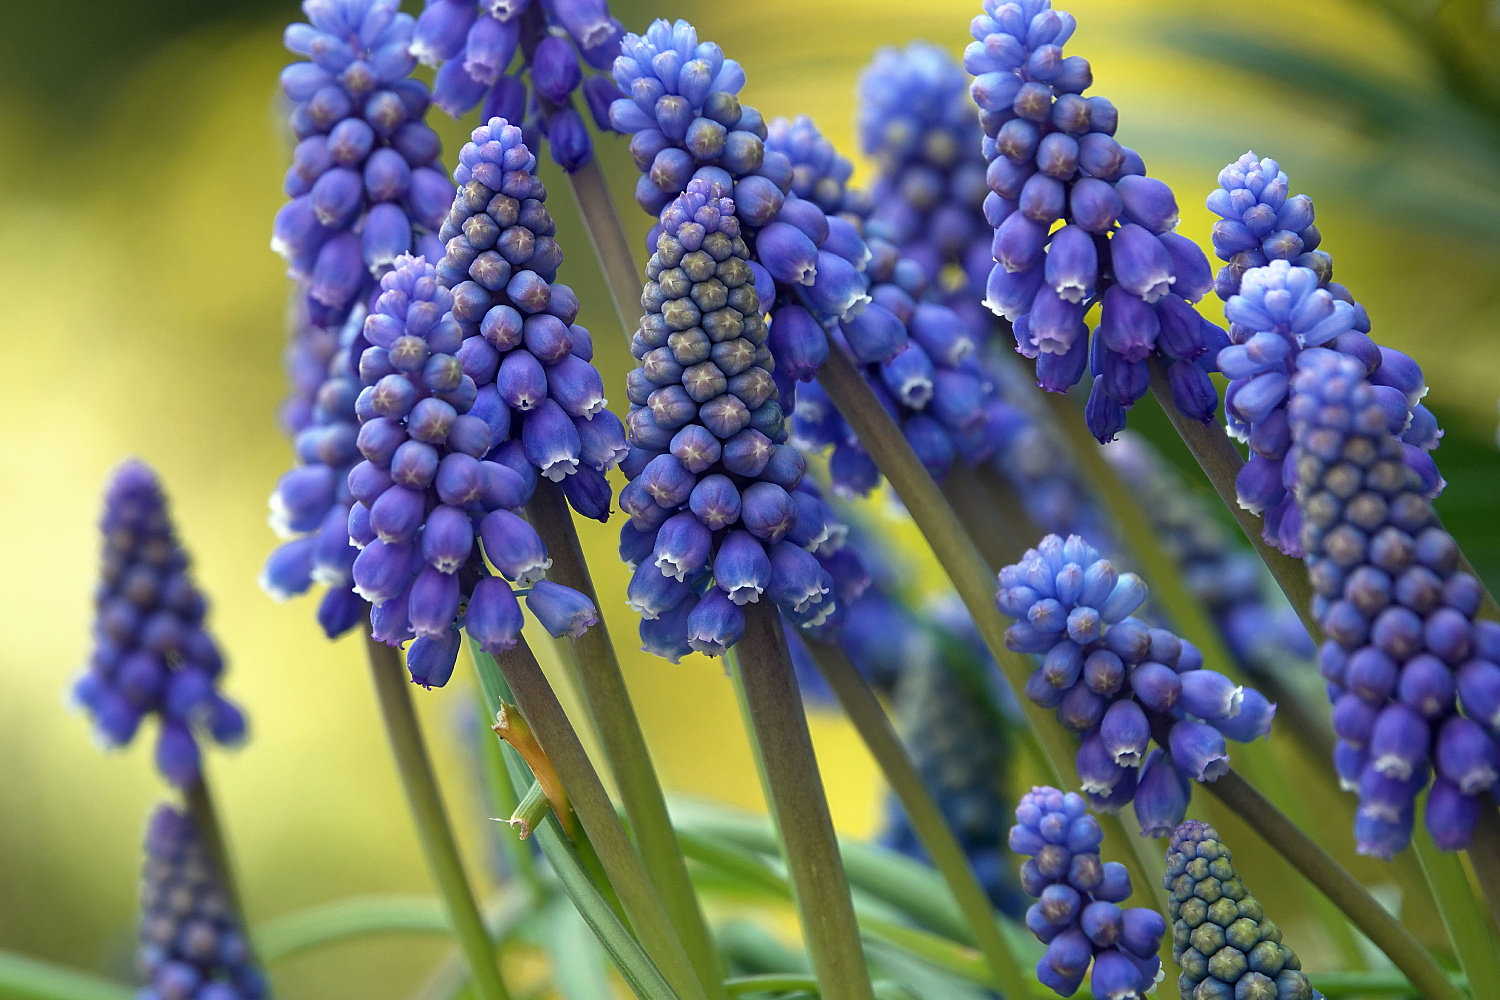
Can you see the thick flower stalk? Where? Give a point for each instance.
(445, 470)
(1221, 938)
(365, 183)
(1280, 299)
(152, 653)
(1108, 674)
(523, 60)
(964, 759)
(191, 945)
(1413, 677)
(310, 506)
(712, 481)
(1259, 628)
(1053, 158)
(1077, 913)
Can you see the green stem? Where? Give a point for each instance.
(794, 789)
(597, 668)
(539, 704)
(431, 819)
(1000, 540)
(741, 985)
(503, 793)
(1337, 985)
(864, 711)
(1221, 463)
(611, 246)
(528, 815)
(1484, 855)
(1463, 915)
(22, 976)
(200, 804)
(318, 926)
(1319, 868)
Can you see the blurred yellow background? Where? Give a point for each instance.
(142, 313)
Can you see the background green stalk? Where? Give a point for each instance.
(1484, 855)
(794, 789)
(200, 804)
(431, 819)
(864, 711)
(623, 866)
(597, 671)
(1463, 915)
(611, 246)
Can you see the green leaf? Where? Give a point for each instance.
(356, 916)
(26, 978)
(578, 963)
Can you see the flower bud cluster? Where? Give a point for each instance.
(1276, 308)
(474, 44)
(1107, 674)
(191, 946)
(365, 182)
(152, 653)
(311, 503)
(1077, 913)
(1259, 628)
(1226, 946)
(445, 467)
(1053, 158)
(964, 759)
(713, 486)
(1414, 679)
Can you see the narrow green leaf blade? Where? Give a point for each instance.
(26, 978)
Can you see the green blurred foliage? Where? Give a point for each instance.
(143, 314)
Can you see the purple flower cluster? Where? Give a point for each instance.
(309, 350)
(152, 653)
(715, 517)
(473, 45)
(311, 503)
(1413, 677)
(192, 947)
(1053, 158)
(1221, 938)
(1259, 628)
(444, 467)
(1107, 674)
(1280, 300)
(1077, 913)
(365, 183)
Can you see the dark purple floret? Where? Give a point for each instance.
(191, 944)
(153, 654)
(1411, 673)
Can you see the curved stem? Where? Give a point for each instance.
(200, 804)
(30, 978)
(597, 669)
(794, 789)
(1463, 915)
(1000, 539)
(539, 704)
(611, 246)
(782, 983)
(863, 709)
(431, 819)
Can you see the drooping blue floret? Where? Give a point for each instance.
(470, 393)
(153, 654)
(1108, 675)
(486, 54)
(191, 944)
(310, 506)
(1221, 938)
(365, 183)
(1053, 158)
(1280, 299)
(1078, 913)
(1413, 676)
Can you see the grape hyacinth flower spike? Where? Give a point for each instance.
(365, 182)
(190, 941)
(711, 477)
(311, 503)
(435, 497)
(1414, 678)
(1077, 913)
(1107, 674)
(1053, 158)
(486, 54)
(537, 388)
(1280, 299)
(152, 653)
(1221, 938)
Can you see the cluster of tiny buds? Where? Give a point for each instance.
(1108, 675)
(474, 44)
(1077, 913)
